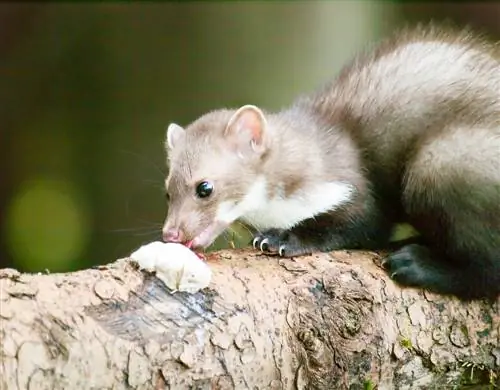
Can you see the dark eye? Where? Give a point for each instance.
(204, 189)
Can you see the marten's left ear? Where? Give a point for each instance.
(174, 134)
(246, 130)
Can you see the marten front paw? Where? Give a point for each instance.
(280, 242)
(410, 266)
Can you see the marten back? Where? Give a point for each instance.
(410, 87)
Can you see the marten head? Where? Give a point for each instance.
(213, 164)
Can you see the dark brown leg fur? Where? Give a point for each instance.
(453, 200)
(347, 228)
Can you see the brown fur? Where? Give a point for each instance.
(413, 125)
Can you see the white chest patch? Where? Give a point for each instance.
(283, 213)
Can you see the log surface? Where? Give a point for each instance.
(327, 321)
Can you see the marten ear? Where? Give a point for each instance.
(247, 129)
(174, 133)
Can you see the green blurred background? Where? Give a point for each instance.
(86, 92)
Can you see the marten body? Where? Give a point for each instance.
(407, 133)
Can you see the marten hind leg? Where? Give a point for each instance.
(451, 194)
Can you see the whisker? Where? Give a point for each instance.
(188, 165)
(146, 228)
(155, 184)
(136, 234)
(145, 159)
(151, 224)
(136, 229)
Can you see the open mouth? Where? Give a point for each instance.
(207, 236)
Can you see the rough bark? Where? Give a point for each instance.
(328, 321)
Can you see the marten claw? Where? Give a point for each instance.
(261, 243)
(281, 243)
(264, 245)
(281, 250)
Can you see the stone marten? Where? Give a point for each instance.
(407, 132)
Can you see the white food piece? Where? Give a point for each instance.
(175, 264)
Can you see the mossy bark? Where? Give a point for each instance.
(327, 321)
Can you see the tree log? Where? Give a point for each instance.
(326, 321)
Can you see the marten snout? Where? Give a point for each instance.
(173, 235)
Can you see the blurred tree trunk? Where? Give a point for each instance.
(328, 321)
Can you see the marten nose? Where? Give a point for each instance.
(173, 235)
